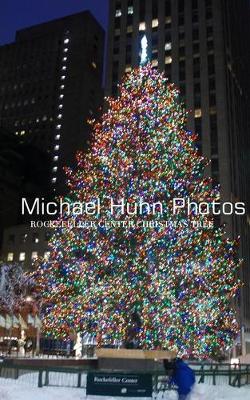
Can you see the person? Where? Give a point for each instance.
(184, 378)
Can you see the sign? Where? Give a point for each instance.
(118, 384)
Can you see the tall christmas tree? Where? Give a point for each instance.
(142, 273)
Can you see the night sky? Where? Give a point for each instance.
(18, 14)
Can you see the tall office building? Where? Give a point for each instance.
(51, 85)
(202, 45)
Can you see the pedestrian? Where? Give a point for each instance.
(184, 378)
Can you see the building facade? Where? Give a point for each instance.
(24, 245)
(202, 47)
(51, 85)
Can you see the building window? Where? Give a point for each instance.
(130, 10)
(168, 60)
(10, 257)
(130, 29)
(22, 256)
(34, 255)
(118, 13)
(198, 113)
(142, 26)
(57, 137)
(167, 7)
(35, 238)
(155, 23)
(168, 46)
(55, 158)
(155, 63)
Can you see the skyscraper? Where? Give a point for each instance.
(51, 85)
(202, 47)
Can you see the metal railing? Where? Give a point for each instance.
(75, 376)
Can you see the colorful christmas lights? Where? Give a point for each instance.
(179, 279)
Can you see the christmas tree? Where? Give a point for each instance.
(142, 273)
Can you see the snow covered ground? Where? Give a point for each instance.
(11, 390)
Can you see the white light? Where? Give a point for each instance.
(61, 96)
(130, 10)
(57, 137)
(55, 169)
(10, 257)
(60, 106)
(62, 87)
(144, 47)
(54, 180)
(58, 126)
(56, 147)
(22, 256)
(155, 63)
(63, 77)
(94, 64)
(142, 26)
(59, 116)
(118, 13)
(34, 255)
(66, 41)
(65, 58)
(55, 158)
(197, 113)
(64, 68)
(168, 60)
(46, 255)
(168, 46)
(65, 50)
(155, 23)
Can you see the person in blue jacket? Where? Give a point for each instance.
(184, 378)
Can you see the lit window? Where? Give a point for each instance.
(58, 126)
(130, 10)
(94, 64)
(45, 118)
(56, 147)
(168, 60)
(55, 158)
(130, 29)
(37, 120)
(34, 255)
(54, 180)
(35, 238)
(10, 257)
(61, 96)
(66, 41)
(168, 46)
(142, 26)
(118, 13)
(168, 20)
(57, 137)
(65, 59)
(22, 256)
(46, 255)
(22, 133)
(155, 63)
(63, 77)
(62, 87)
(60, 106)
(155, 23)
(55, 169)
(59, 116)
(17, 133)
(33, 100)
(197, 113)
(64, 68)
(65, 50)
(128, 68)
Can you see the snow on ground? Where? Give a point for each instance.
(9, 390)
